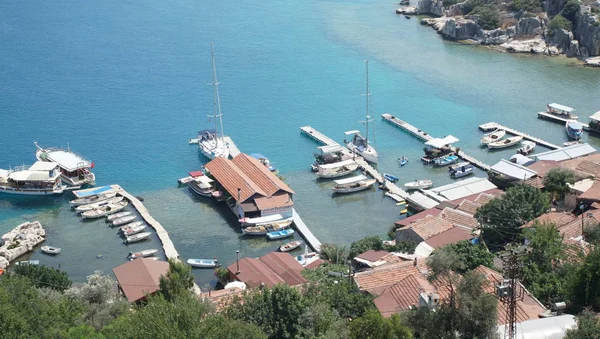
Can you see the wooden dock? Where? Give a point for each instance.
(308, 236)
(554, 118)
(493, 125)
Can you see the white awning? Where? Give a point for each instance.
(422, 201)
(43, 166)
(439, 143)
(513, 170)
(338, 164)
(30, 176)
(561, 107)
(595, 116)
(330, 149)
(463, 188)
(352, 132)
(566, 153)
(351, 180)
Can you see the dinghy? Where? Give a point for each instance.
(290, 246)
(118, 215)
(142, 254)
(526, 147)
(354, 184)
(445, 161)
(418, 184)
(462, 171)
(505, 142)
(280, 234)
(491, 137)
(390, 177)
(104, 210)
(92, 199)
(131, 225)
(50, 250)
(134, 230)
(137, 237)
(203, 263)
(28, 262)
(336, 170)
(123, 220)
(262, 229)
(89, 207)
(403, 161)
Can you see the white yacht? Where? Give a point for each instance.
(360, 144)
(75, 170)
(211, 143)
(42, 178)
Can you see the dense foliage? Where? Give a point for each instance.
(526, 5)
(178, 280)
(570, 10)
(44, 276)
(488, 17)
(365, 244)
(560, 22)
(588, 326)
(557, 179)
(470, 255)
(470, 5)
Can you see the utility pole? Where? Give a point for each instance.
(510, 292)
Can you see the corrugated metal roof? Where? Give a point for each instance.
(463, 188)
(425, 202)
(513, 170)
(566, 153)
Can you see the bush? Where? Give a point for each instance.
(526, 5)
(570, 10)
(470, 5)
(487, 17)
(44, 276)
(448, 3)
(560, 22)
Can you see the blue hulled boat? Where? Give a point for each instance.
(280, 234)
(445, 161)
(574, 129)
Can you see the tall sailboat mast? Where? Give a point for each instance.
(216, 99)
(367, 94)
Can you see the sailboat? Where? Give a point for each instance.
(359, 144)
(211, 143)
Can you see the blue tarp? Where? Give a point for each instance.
(94, 191)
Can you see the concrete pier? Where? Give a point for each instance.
(554, 118)
(308, 236)
(493, 125)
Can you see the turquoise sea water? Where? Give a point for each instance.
(127, 84)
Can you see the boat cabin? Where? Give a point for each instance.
(41, 178)
(595, 122)
(207, 134)
(561, 110)
(437, 148)
(357, 139)
(75, 169)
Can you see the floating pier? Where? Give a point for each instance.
(493, 125)
(308, 236)
(424, 136)
(554, 118)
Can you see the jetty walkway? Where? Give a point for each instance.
(394, 192)
(424, 136)
(310, 238)
(554, 118)
(493, 125)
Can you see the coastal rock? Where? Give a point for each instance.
(433, 7)
(592, 62)
(528, 27)
(535, 46)
(22, 239)
(553, 7)
(404, 2)
(462, 29)
(587, 31)
(411, 10)
(4, 263)
(455, 10)
(497, 36)
(563, 40)
(436, 23)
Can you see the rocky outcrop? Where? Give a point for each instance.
(553, 7)
(535, 46)
(593, 62)
(433, 7)
(528, 27)
(455, 10)
(21, 240)
(563, 40)
(462, 29)
(498, 36)
(410, 10)
(587, 31)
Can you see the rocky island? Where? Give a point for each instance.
(20, 240)
(550, 27)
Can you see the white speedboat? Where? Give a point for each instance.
(262, 220)
(336, 170)
(203, 263)
(142, 254)
(51, 250)
(354, 184)
(504, 143)
(359, 144)
(526, 147)
(104, 210)
(462, 171)
(131, 225)
(137, 237)
(75, 169)
(118, 215)
(41, 178)
(494, 136)
(418, 184)
(93, 198)
(290, 246)
(134, 230)
(211, 143)
(574, 129)
(91, 206)
(123, 220)
(28, 262)
(202, 186)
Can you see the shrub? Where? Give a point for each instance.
(570, 10)
(560, 22)
(487, 17)
(526, 5)
(448, 3)
(470, 5)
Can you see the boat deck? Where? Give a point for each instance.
(308, 236)
(493, 125)
(163, 235)
(554, 118)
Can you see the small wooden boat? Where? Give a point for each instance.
(204, 263)
(89, 207)
(390, 177)
(118, 215)
(526, 147)
(290, 246)
(142, 254)
(571, 143)
(280, 234)
(354, 184)
(407, 16)
(104, 210)
(462, 171)
(505, 142)
(137, 237)
(131, 225)
(191, 176)
(51, 250)
(494, 136)
(262, 229)
(262, 220)
(202, 186)
(457, 166)
(92, 199)
(337, 169)
(403, 161)
(134, 230)
(123, 220)
(28, 262)
(418, 184)
(255, 230)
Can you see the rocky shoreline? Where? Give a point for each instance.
(20, 240)
(517, 32)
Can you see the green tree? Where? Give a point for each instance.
(44, 276)
(588, 327)
(373, 326)
(367, 243)
(557, 179)
(334, 253)
(470, 5)
(488, 16)
(560, 22)
(443, 266)
(570, 10)
(470, 255)
(179, 280)
(585, 288)
(526, 5)
(502, 217)
(218, 327)
(318, 320)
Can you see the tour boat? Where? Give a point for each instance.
(390, 177)
(75, 169)
(354, 184)
(329, 154)
(265, 161)
(51, 250)
(561, 111)
(262, 229)
(445, 161)
(203, 263)
(123, 220)
(462, 171)
(280, 234)
(41, 178)
(118, 215)
(134, 230)
(336, 170)
(526, 147)
(142, 254)
(91, 206)
(262, 220)
(494, 136)
(131, 225)
(359, 144)
(403, 161)
(202, 186)
(100, 194)
(505, 142)
(104, 210)
(210, 142)
(290, 246)
(418, 184)
(574, 129)
(137, 237)
(191, 176)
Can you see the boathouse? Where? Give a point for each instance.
(140, 277)
(269, 270)
(251, 190)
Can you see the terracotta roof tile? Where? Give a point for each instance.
(592, 168)
(593, 193)
(416, 217)
(428, 227)
(484, 198)
(468, 207)
(140, 277)
(459, 218)
(270, 269)
(260, 175)
(222, 298)
(557, 218)
(450, 236)
(574, 163)
(535, 182)
(376, 280)
(542, 167)
(232, 177)
(573, 229)
(277, 200)
(372, 255)
(402, 295)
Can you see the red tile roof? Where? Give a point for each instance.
(378, 279)
(270, 269)
(260, 175)
(428, 227)
(416, 217)
(402, 295)
(372, 255)
(468, 207)
(222, 298)
(450, 236)
(542, 167)
(557, 218)
(459, 218)
(140, 277)
(593, 193)
(232, 177)
(277, 200)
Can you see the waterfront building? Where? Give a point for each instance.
(140, 277)
(269, 270)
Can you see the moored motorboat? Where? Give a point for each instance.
(142, 254)
(462, 171)
(51, 250)
(280, 234)
(390, 177)
(574, 129)
(290, 246)
(203, 263)
(265, 161)
(262, 229)
(571, 143)
(526, 147)
(88, 207)
(202, 186)
(97, 194)
(123, 220)
(41, 178)
(137, 237)
(28, 262)
(418, 184)
(336, 170)
(134, 230)
(262, 220)
(131, 225)
(445, 161)
(118, 215)
(354, 184)
(403, 160)
(504, 143)
(75, 169)
(561, 111)
(491, 137)
(191, 176)
(104, 210)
